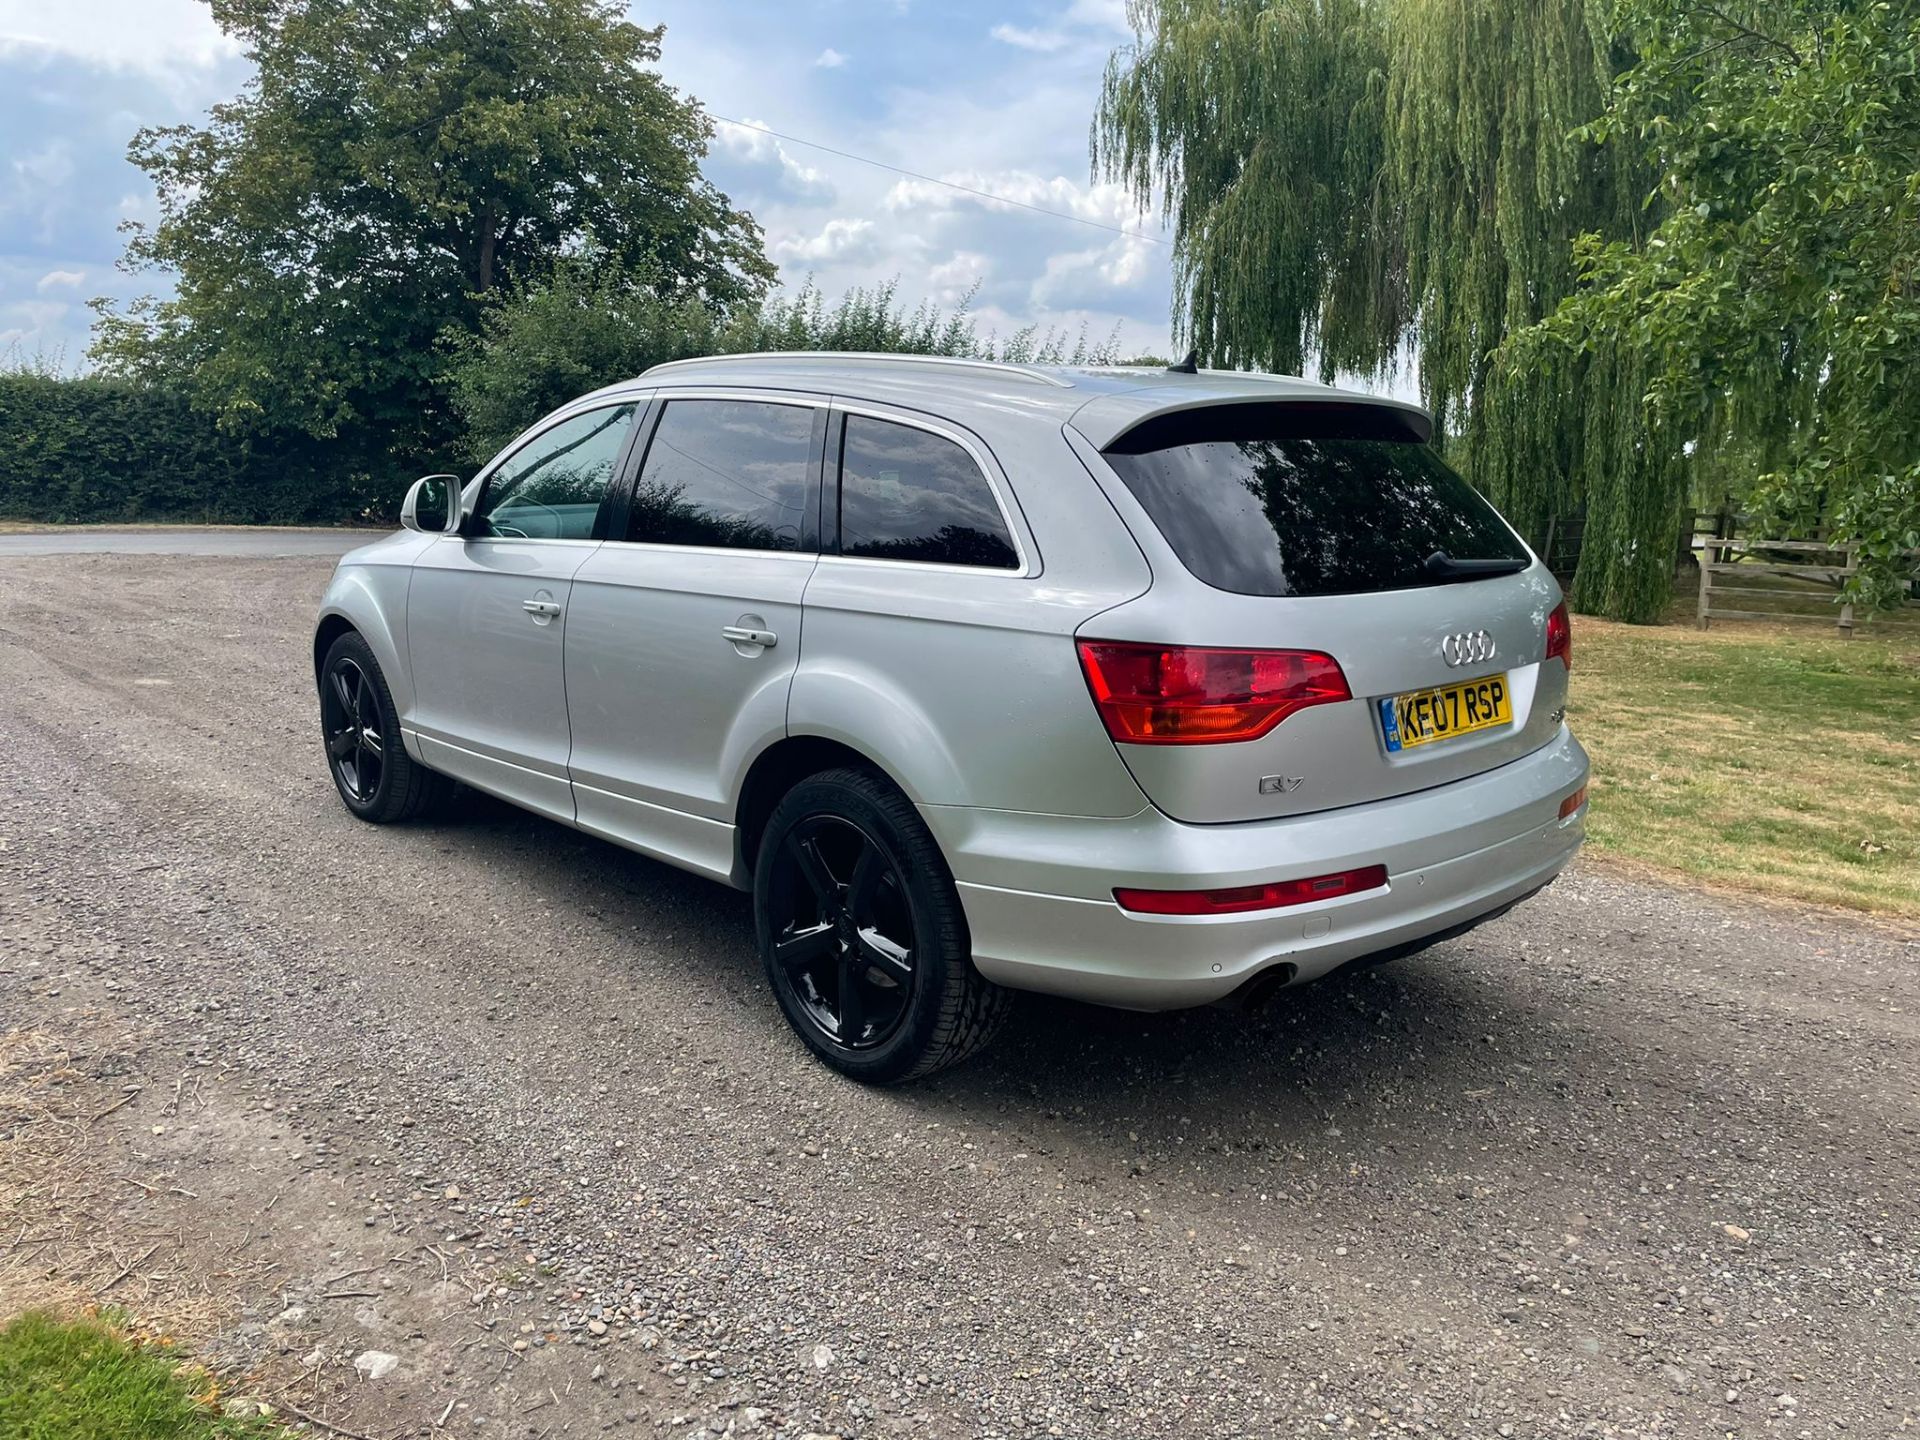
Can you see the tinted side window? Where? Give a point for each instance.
(908, 494)
(550, 489)
(731, 473)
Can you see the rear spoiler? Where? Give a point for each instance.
(1137, 421)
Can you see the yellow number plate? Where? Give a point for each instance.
(1422, 716)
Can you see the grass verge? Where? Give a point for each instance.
(1756, 756)
(83, 1380)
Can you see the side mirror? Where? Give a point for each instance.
(432, 506)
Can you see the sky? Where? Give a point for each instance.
(995, 97)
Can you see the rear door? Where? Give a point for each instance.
(487, 612)
(1276, 525)
(684, 629)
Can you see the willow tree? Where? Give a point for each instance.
(1773, 313)
(1355, 182)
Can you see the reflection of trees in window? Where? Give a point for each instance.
(660, 514)
(726, 473)
(950, 545)
(1345, 511)
(907, 494)
(562, 485)
(564, 480)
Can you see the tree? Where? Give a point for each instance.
(591, 324)
(1357, 181)
(1630, 242)
(554, 339)
(1775, 310)
(391, 166)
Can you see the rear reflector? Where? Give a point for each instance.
(1193, 695)
(1560, 635)
(1573, 802)
(1274, 896)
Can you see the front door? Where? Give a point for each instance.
(684, 630)
(487, 613)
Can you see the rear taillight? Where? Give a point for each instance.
(1274, 896)
(1193, 695)
(1573, 802)
(1560, 635)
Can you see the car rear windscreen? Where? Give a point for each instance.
(1305, 499)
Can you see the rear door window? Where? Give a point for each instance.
(909, 494)
(1295, 500)
(729, 473)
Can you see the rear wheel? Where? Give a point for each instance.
(376, 778)
(862, 934)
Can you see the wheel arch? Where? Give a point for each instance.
(370, 601)
(331, 627)
(774, 772)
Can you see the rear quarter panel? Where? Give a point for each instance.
(964, 684)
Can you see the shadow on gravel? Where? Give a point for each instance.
(1432, 1026)
(1368, 1040)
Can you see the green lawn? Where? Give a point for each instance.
(1776, 760)
(85, 1381)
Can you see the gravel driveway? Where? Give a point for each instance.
(512, 1107)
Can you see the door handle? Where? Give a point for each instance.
(541, 607)
(747, 635)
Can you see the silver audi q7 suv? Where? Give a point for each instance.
(1150, 688)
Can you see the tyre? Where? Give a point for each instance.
(862, 934)
(378, 781)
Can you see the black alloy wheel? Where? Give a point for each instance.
(843, 937)
(862, 934)
(376, 778)
(350, 716)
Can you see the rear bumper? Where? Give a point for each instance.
(1038, 889)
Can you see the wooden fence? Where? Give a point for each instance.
(1559, 541)
(1559, 544)
(1798, 581)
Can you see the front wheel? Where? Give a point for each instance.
(862, 934)
(377, 780)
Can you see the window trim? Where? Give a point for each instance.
(640, 400)
(983, 461)
(811, 515)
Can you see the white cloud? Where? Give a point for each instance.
(1084, 23)
(1044, 41)
(829, 59)
(1007, 190)
(954, 101)
(1100, 15)
(151, 35)
(844, 240)
(32, 327)
(60, 279)
(48, 166)
(749, 145)
(953, 279)
(1092, 278)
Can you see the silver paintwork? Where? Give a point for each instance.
(636, 694)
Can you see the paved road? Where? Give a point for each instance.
(182, 540)
(1629, 1162)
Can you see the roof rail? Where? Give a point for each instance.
(994, 367)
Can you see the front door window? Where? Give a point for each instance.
(551, 488)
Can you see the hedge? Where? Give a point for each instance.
(88, 449)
